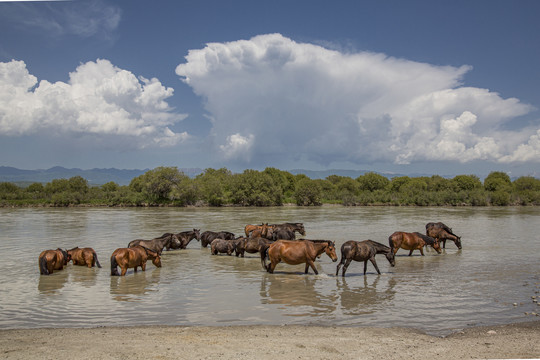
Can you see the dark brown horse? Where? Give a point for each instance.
(167, 240)
(297, 252)
(283, 234)
(412, 241)
(185, 238)
(50, 260)
(294, 227)
(208, 236)
(222, 246)
(363, 251)
(132, 258)
(84, 257)
(442, 233)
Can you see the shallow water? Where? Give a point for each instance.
(438, 294)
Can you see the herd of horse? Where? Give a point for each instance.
(276, 243)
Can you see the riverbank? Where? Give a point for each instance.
(269, 342)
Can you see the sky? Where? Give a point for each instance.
(431, 87)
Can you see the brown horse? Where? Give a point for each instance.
(298, 227)
(297, 252)
(442, 233)
(132, 258)
(363, 251)
(50, 260)
(260, 230)
(84, 257)
(412, 241)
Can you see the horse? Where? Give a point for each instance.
(442, 233)
(297, 252)
(249, 228)
(208, 236)
(132, 258)
(239, 246)
(222, 246)
(261, 231)
(185, 238)
(412, 241)
(284, 234)
(166, 240)
(84, 257)
(363, 251)
(50, 260)
(294, 227)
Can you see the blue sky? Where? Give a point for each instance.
(435, 87)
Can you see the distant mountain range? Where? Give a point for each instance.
(124, 177)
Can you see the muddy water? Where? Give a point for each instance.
(491, 281)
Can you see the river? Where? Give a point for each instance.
(490, 281)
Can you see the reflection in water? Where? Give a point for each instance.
(304, 294)
(133, 286)
(51, 284)
(367, 298)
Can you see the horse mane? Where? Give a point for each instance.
(319, 241)
(378, 245)
(164, 235)
(428, 239)
(75, 248)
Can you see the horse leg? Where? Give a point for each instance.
(345, 267)
(372, 259)
(340, 264)
(444, 243)
(365, 266)
(309, 263)
(410, 252)
(421, 251)
(124, 270)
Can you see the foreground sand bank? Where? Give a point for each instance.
(269, 342)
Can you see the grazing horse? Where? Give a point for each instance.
(222, 246)
(208, 236)
(50, 260)
(185, 238)
(132, 258)
(363, 251)
(84, 257)
(166, 240)
(411, 242)
(239, 246)
(297, 252)
(442, 233)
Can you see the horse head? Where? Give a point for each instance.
(197, 233)
(66, 255)
(391, 257)
(458, 242)
(437, 246)
(330, 250)
(155, 256)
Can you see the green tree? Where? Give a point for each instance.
(254, 188)
(497, 180)
(214, 186)
(467, 182)
(372, 181)
(158, 183)
(308, 192)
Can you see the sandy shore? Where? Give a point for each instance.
(269, 342)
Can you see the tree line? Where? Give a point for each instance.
(168, 186)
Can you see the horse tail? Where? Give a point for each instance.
(97, 261)
(43, 266)
(264, 253)
(114, 264)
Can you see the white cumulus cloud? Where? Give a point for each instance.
(99, 99)
(310, 102)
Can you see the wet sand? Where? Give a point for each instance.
(269, 342)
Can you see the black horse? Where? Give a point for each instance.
(363, 251)
(167, 240)
(185, 238)
(208, 236)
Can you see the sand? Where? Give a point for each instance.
(269, 342)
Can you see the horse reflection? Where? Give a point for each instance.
(49, 285)
(297, 293)
(367, 298)
(133, 288)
